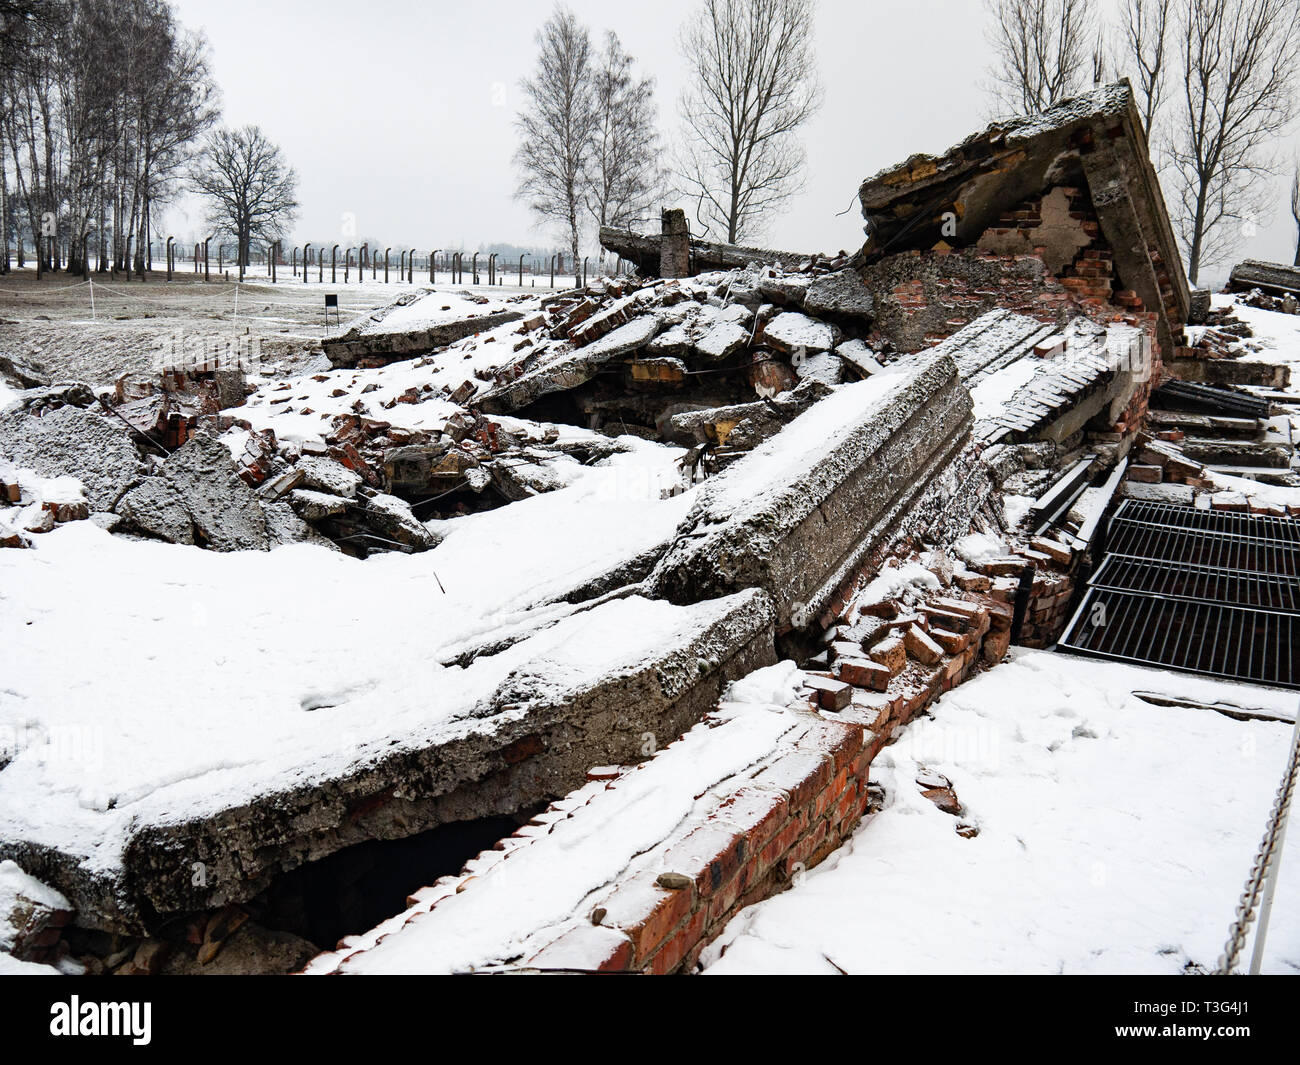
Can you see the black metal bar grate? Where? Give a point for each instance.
(1122, 573)
(1199, 637)
(1249, 526)
(1196, 548)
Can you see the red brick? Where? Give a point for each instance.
(952, 642)
(800, 774)
(668, 957)
(842, 741)
(587, 947)
(647, 913)
(782, 842)
(862, 674)
(710, 856)
(758, 812)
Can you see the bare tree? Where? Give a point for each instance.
(556, 129)
(1044, 51)
(1144, 49)
(1295, 210)
(626, 175)
(1239, 61)
(248, 186)
(752, 85)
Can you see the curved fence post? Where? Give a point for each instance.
(170, 260)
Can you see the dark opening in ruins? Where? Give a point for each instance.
(354, 889)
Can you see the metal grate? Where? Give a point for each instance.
(1196, 548)
(1122, 573)
(1199, 637)
(1250, 526)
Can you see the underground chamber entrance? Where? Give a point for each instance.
(353, 890)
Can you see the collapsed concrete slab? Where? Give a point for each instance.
(71, 442)
(391, 339)
(587, 691)
(796, 516)
(199, 498)
(1271, 277)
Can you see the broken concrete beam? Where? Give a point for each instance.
(581, 698)
(326, 475)
(674, 244)
(357, 344)
(801, 512)
(646, 252)
(1271, 277)
(1229, 372)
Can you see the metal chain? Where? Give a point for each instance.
(1263, 860)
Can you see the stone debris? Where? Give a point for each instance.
(69, 441)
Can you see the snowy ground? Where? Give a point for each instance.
(95, 332)
(1115, 836)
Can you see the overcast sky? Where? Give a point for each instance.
(402, 112)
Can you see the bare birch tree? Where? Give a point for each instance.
(1239, 61)
(249, 188)
(557, 126)
(1145, 44)
(1044, 51)
(625, 171)
(1295, 210)
(753, 84)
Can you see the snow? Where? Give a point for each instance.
(434, 307)
(894, 582)
(980, 547)
(992, 395)
(201, 679)
(793, 330)
(1115, 836)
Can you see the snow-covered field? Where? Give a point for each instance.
(1115, 836)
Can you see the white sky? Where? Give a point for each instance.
(402, 112)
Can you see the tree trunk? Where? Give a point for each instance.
(4, 212)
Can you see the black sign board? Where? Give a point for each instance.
(331, 300)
